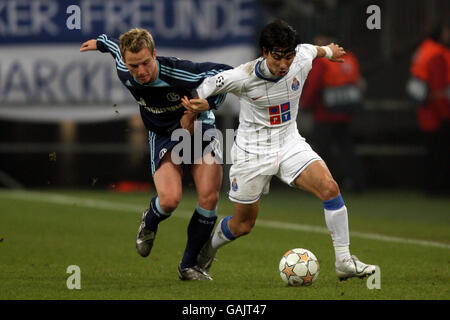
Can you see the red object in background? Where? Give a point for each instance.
(130, 186)
(431, 64)
(328, 74)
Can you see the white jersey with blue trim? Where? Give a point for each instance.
(268, 107)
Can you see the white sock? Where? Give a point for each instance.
(337, 223)
(342, 253)
(222, 235)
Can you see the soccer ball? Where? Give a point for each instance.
(299, 267)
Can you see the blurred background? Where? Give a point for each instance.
(66, 121)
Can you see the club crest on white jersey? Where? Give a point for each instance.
(295, 84)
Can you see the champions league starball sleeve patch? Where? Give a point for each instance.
(220, 81)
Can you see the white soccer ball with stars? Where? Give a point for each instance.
(299, 267)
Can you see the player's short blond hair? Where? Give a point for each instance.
(135, 40)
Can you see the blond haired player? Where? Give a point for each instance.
(158, 84)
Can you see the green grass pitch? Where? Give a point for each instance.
(44, 232)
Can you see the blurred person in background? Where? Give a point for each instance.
(333, 93)
(158, 83)
(428, 88)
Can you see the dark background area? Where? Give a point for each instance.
(387, 138)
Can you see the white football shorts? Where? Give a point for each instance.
(251, 173)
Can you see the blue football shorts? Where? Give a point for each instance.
(160, 145)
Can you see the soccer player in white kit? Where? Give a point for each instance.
(268, 142)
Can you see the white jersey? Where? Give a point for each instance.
(269, 107)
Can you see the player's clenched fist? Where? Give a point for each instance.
(337, 51)
(89, 45)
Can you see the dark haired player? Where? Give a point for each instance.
(268, 142)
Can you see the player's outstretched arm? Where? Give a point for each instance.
(89, 45)
(195, 105)
(332, 51)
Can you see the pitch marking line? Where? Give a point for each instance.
(117, 206)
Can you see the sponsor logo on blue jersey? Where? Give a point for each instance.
(173, 96)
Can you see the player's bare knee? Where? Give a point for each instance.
(208, 201)
(329, 189)
(169, 203)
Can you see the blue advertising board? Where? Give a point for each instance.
(175, 23)
(44, 76)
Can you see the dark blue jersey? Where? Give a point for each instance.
(160, 101)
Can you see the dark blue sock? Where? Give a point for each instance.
(199, 230)
(155, 215)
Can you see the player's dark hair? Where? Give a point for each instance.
(278, 34)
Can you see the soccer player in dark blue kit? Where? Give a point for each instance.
(158, 83)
